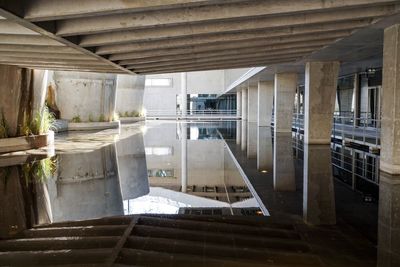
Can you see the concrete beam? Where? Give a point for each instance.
(26, 39)
(251, 56)
(217, 67)
(91, 25)
(136, 42)
(74, 62)
(38, 49)
(10, 27)
(248, 62)
(44, 55)
(227, 49)
(41, 10)
(245, 25)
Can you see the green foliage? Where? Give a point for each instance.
(3, 126)
(134, 113)
(126, 114)
(102, 118)
(39, 171)
(41, 123)
(76, 118)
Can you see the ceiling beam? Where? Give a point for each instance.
(205, 14)
(133, 42)
(44, 55)
(21, 39)
(42, 10)
(272, 23)
(235, 48)
(37, 48)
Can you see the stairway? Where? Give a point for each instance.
(162, 240)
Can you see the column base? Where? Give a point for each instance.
(389, 168)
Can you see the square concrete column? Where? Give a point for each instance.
(244, 104)
(184, 94)
(238, 104)
(252, 103)
(390, 132)
(320, 95)
(285, 90)
(265, 101)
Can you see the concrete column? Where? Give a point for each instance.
(183, 94)
(318, 191)
(252, 103)
(264, 149)
(265, 101)
(389, 221)
(244, 104)
(390, 133)
(243, 143)
(320, 95)
(184, 172)
(251, 140)
(238, 132)
(284, 175)
(238, 104)
(285, 90)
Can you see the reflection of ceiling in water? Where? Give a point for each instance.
(165, 201)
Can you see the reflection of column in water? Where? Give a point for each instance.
(284, 176)
(87, 186)
(252, 140)
(389, 221)
(318, 195)
(243, 145)
(132, 167)
(264, 149)
(184, 172)
(238, 132)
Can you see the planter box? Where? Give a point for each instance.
(131, 119)
(26, 142)
(90, 126)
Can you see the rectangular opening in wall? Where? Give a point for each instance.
(158, 82)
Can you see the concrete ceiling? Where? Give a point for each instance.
(163, 36)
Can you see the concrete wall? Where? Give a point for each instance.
(130, 90)
(233, 75)
(85, 95)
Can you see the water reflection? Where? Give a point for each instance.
(284, 175)
(264, 149)
(318, 196)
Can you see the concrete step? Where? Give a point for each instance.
(154, 258)
(102, 230)
(259, 221)
(225, 251)
(219, 227)
(56, 243)
(53, 257)
(233, 238)
(119, 220)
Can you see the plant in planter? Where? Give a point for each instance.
(102, 118)
(134, 113)
(3, 126)
(39, 171)
(76, 118)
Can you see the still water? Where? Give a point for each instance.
(219, 168)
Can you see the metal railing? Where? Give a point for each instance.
(192, 113)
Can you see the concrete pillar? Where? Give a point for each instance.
(243, 143)
(390, 133)
(389, 221)
(238, 132)
(264, 149)
(251, 140)
(320, 96)
(318, 191)
(184, 172)
(284, 175)
(244, 104)
(252, 103)
(285, 89)
(183, 94)
(238, 104)
(265, 101)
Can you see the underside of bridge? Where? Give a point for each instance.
(165, 36)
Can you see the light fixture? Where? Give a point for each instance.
(264, 171)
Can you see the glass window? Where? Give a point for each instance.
(158, 82)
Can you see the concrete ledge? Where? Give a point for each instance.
(131, 119)
(26, 142)
(60, 126)
(89, 126)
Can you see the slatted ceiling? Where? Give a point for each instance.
(187, 35)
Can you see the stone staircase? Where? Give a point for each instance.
(163, 240)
